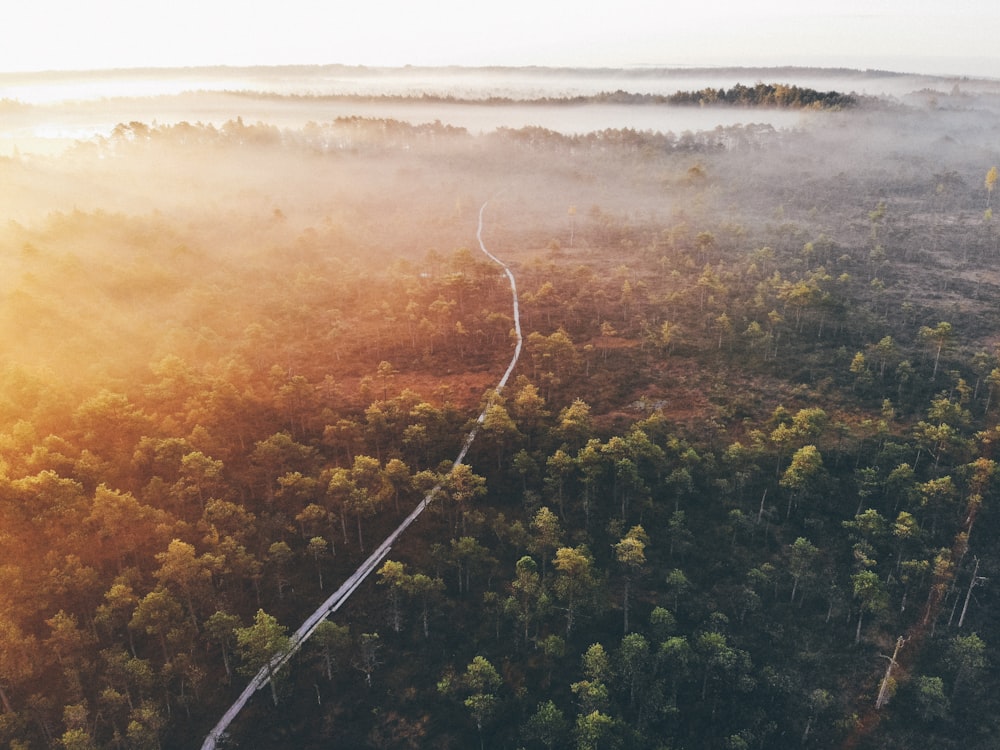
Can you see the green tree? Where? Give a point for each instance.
(802, 556)
(547, 535)
(157, 614)
(662, 623)
(757, 337)
(871, 595)
(480, 683)
(723, 326)
(819, 701)
(368, 492)
(593, 730)
(318, 548)
(425, 589)
(669, 334)
(529, 412)
(575, 582)
(677, 585)
(295, 491)
(805, 469)
(560, 468)
(526, 595)
(468, 555)
(547, 726)
(460, 488)
(340, 495)
(679, 534)
(993, 383)
(223, 518)
(676, 656)
(937, 496)
(386, 373)
(220, 628)
(592, 692)
(129, 681)
(77, 739)
(967, 657)
(296, 398)
(332, 641)
(366, 659)
(886, 352)
(279, 554)
(201, 477)
(111, 425)
(397, 474)
(634, 665)
(938, 338)
(119, 603)
(574, 425)
(278, 455)
(145, 727)
(16, 663)
(393, 576)
(186, 574)
(859, 368)
(499, 430)
(591, 695)
(590, 464)
(720, 660)
(931, 698)
(260, 645)
(630, 553)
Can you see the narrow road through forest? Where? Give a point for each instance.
(334, 602)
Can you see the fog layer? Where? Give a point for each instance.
(233, 352)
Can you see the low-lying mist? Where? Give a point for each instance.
(210, 312)
(131, 226)
(44, 112)
(458, 82)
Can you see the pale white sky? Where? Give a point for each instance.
(903, 35)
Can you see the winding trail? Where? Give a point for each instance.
(334, 602)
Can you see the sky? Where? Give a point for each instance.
(914, 36)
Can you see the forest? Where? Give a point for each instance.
(740, 493)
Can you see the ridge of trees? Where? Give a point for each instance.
(379, 134)
(741, 95)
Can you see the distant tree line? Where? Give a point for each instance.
(766, 95)
(759, 95)
(381, 134)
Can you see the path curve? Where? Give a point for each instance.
(337, 598)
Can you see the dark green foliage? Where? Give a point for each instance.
(765, 95)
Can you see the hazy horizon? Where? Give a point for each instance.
(454, 81)
(892, 35)
(246, 328)
(46, 112)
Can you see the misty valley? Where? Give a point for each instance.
(739, 491)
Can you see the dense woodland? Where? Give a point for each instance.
(748, 457)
